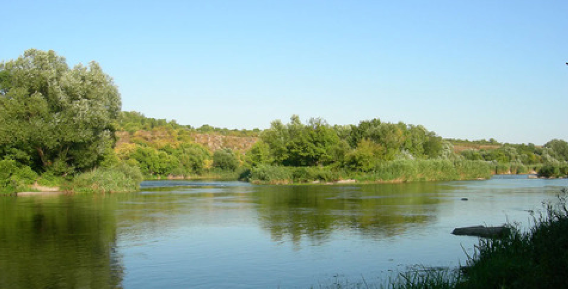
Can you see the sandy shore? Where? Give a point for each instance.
(44, 193)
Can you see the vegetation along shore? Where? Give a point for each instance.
(64, 127)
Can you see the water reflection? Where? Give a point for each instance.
(60, 242)
(314, 212)
(217, 234)
(288, 212)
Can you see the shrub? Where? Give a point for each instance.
(502, 168)
(549, 171)
(309, 174)
(225, 159)
(14, 177)
(121, 178)
(268, 173)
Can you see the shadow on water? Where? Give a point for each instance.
(58, 242)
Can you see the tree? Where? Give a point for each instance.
(225, 159)
(53, 117)
(259, 154)
(560, 148)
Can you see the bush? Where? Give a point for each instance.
(522, 169)
(502, 168)
(225, 159)
(268, 173)
(14, 177)
(549, 171)
(121, 178)
(310, 174)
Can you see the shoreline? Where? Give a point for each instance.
(41, 193)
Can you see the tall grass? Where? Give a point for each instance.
(121, 178)
(426, 278)
(537, 258)
(554, 170)
(428, 170)
(391, 171)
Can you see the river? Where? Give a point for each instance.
(211, 234)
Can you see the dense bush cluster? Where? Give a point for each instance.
(388, 171)
(550, 160)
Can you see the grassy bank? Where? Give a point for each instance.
(116, 179)
(385, 172)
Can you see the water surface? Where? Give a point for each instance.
(182, 234)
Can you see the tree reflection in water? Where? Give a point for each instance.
(60, 242)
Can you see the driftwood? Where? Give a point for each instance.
(482, 231)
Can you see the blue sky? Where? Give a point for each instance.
(464, 69)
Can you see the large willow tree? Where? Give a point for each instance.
(53, 118)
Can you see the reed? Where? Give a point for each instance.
(122, 178)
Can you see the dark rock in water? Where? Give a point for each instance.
(464, 199)
(482, 231)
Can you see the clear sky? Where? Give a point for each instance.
(464, 69)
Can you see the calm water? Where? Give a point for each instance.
(179, 234)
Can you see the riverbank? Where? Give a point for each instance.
(399, 171)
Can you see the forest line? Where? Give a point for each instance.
(64, 126)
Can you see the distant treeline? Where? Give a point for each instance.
(132, 121)
(550, 160)
(316, 151)
(64, 126)
(296, 152)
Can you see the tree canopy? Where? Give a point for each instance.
(52, 117)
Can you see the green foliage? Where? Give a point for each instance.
(469, 170)
(132, 121)
(559, 148)
(502, 168)
(535, 259)
(297, 144)
(154, 162)
(311, 144)
(51, 180)
(122, 178)
(395, 138)
(271, 174)
(311, 174)
(364, 157)
(428, 170)
(553, 170)
(520, 158)
(391, 171)
(14, 177)
(192, 157)
(286, 175)
(259, 154)
(53, 117)
(225, 159)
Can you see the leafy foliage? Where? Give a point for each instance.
(225, 159)
(14, 176)
(53, 117)
(122, 178)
